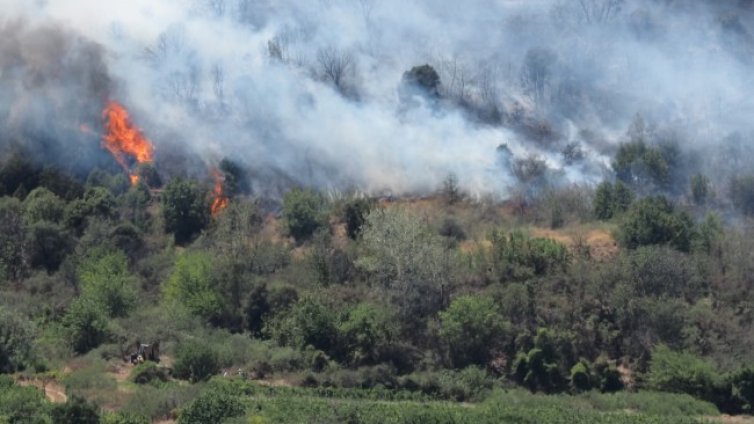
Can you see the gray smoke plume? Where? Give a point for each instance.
(311, 92)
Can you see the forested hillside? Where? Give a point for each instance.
(279, 211)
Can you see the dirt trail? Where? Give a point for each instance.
(54, 391)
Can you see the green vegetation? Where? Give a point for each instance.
(575, 305)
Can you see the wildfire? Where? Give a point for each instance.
(220, 200)
(123, 139)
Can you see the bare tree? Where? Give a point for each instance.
(335, 66)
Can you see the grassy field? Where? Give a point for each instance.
(298, 405)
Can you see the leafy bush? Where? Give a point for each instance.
(105, 279)
(123, 418)
(21, 404)
(192, 285)
(211, 407)
(185, 209)
(195, 361)
(680, 372)
(653, 220)
(75, 411)
(86, 323)
(304, 212)
(307, 323)
(471, 328)
(149, 372)
(518, 257)
(366, 333)
(16, 341)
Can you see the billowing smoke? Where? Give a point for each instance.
(313, 93)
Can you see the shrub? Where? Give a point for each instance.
(471, 327)
(195, 361)
(191, 284)
(149, 372)
(75, 411)
(86, 324)
(185, 209)
(21, 404)
(580, 378)
(681, 372)
(124, 418)
(304, 212)
(16, 341)
(211, 407)
(653, 220)
(43, 205)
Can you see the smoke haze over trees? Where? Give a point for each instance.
(311, 93)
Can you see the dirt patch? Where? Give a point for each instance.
(53, 390)
(733, 419)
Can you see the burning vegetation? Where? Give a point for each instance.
(220, 200)
(123, 139)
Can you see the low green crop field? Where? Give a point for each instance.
(286, 405)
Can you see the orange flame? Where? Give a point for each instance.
(221, 201)
(123, 139)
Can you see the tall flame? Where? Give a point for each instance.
(220, 200)
(123, 139)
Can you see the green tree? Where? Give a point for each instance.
(105, 279)
(653, 220)
(355, 215)
(603, 201)
(308, 323)
(43, 205)
(367, 332)
(47, 245)
(472, 327)
(304, 212)
(185, 209)
(192, 285)
(410, 260)
(700, 189)
(86, 324)
(195, 361)
(97, 202)
(12, 239)
(16, 341)
(257, 308)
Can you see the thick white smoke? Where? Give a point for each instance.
(246, 79)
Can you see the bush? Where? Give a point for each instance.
(195, 361)
(653, 220)
(105, 280)
(192, 285)
(580, 377)
(211, 407)
(124, 418)
(367, 332)
(472, 327)
(16, 341)
(75, 411)
(43, 205)
(149, 372)
(304, 212)
(185, 209)
(86, 324)
(21, 404)
(307, 323)
(680, 372)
